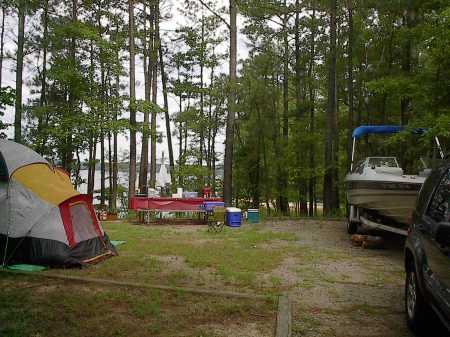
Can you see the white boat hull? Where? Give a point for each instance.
(385, 190)
(393, 204)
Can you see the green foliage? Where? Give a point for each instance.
(193, 177)
(78, 99)
(200, 92)
(7, 97)
(401, 74)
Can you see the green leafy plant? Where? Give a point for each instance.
(7, 97)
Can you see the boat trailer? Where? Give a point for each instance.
(356, 219)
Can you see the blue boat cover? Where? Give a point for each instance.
(365, 129)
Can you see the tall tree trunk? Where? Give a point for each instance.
(336, 141)
(132, 175)
(335, 201)
(254, 176)
(276, 139)
(202, 116)
(215, 130)
(93, 135)
(266, 170)
(104, 106)
(209, 142)
(91, 170)
(115, 150)
(43, 96)
(110, 172)
(312, 160)
(284, 202)
(143, 167)
(389, 60)
(180, 136)
(19, 72)
(360, 96)
(166, 110)
(350, 88)
(406, 64)
(68, 145)
(406, 70)
(229, 140)
(154, 100)
(102, 160)
(301, 183)
(2, 43)
(329, 132)
(77, 169)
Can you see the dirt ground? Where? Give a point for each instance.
(352, 291)
(336, 289)
(359, 292)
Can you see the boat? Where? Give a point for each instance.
(377, 189)
(378, 184)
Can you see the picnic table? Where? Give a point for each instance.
(146, 205)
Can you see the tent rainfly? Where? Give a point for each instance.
(43, 219)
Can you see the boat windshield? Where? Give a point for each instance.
(382, 162)
(360, 167)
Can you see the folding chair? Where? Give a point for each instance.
(217, 221)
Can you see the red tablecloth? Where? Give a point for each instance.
(168, 204)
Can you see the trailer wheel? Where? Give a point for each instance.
(352, 227)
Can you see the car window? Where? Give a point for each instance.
(426, 191)
(439, 209)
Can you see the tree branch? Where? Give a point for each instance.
(215, 14)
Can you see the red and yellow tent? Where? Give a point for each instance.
(43, 219)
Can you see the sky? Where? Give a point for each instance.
(8, 74)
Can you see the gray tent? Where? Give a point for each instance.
(43, 219)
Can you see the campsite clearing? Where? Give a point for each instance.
(336, 289)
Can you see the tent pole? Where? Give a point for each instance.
(6, 249)
(8, 196)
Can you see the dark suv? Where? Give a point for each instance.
(427, 251)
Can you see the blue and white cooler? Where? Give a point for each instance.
(234, 217)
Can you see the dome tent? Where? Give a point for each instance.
(43, 219)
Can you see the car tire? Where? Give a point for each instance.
(415, 308)
(352, 227)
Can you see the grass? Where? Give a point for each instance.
(236, 256)
(310, 254)
(380, 274)
(62, 308)
(307, 277)
(385, 276)
(308, 323)
(247, 259)
(310, 320)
